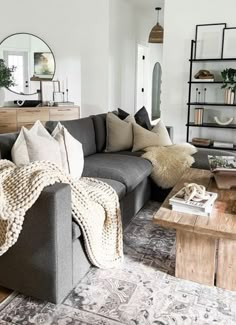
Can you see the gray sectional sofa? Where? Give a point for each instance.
(49, 259)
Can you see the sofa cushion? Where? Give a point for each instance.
(6, 143)
(100, 131)
(117, 186)
(128, 170)
(82, 130)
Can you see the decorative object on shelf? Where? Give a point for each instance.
(6, 79)
(201, 142)
(58, 94)
(209, 39)
(229, 36)
(205, 75)
(227, 122)
(27, 103)
(157, 33)
(229, 96)
(199, 97)
(198, 116)
(204, 95)
(229, 84)
(46, 91)
(196, 95)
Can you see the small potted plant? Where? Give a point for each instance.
(229, 84)
(6, 79)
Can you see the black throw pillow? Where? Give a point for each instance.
(142, 118)
(122, 114)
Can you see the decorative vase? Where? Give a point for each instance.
(2, 97)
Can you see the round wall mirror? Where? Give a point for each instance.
(33, 61)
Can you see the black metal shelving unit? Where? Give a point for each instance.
(191, 104)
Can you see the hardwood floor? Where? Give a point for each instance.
(4, 293)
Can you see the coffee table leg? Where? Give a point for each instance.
(195, 257)
(226, 276)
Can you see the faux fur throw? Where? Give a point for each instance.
(169, 163)
(95, 207)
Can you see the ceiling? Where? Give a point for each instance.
(147, 4)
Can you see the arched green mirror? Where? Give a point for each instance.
(156, 91)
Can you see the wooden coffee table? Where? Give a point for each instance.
(198, 237)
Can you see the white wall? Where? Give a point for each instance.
(77, 32)
(180, 20)
(122, 55)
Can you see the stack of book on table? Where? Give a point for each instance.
(224, 170)
(202, 207)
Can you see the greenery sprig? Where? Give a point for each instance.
(6, 77)
(229, 79)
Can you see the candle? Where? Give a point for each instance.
(66, 83)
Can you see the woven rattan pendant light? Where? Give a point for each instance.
(157, 33)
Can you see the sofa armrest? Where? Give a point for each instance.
(40, 263)
(170, 130)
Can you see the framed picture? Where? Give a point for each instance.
(47, 90)
(44, 65)
(229, 43)
(209, 41)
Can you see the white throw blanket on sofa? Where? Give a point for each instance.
(95, 207)
(169, 163)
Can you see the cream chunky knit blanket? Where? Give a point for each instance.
(95, 207)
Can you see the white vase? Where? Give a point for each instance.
(2, 97)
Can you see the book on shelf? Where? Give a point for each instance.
(61, 104)
(201, 142)
(205, 79)
(222, 144)
(222, 164)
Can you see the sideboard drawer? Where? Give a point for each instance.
(7, 116)
(7, 128)
(64, 113)
(32, 115)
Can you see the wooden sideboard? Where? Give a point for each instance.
(13, 118)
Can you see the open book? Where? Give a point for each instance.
(222, 163)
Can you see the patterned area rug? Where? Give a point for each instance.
(141, 291)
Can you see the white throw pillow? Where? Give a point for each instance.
(20, 153)
(162, 133)
(143, 138)
(71, 151)
(42, 146)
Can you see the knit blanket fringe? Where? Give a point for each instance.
(95, 207)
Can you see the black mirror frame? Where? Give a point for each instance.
(44, 43)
